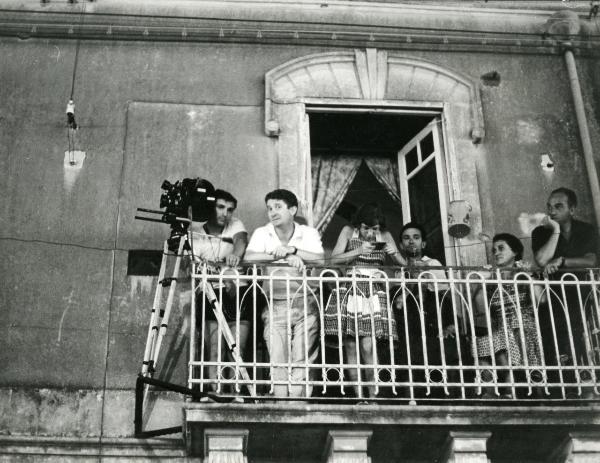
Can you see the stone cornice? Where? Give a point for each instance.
(332, 24)
(78, 447)
(395, 415)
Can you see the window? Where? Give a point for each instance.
(389, 157)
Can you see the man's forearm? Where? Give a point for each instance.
(252, 256)
(239, 247)
(546, 253)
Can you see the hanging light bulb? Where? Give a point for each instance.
(71, 115)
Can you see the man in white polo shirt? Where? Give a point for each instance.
(289, 326)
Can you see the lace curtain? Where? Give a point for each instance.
(333, 175)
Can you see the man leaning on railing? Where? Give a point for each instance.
(563, 242)
(290, 329)
(421, 337)
(222, 238)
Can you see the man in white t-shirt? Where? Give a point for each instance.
(288, 324)
(222, 239)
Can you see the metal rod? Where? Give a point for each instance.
(584, 133)
(167, 386)
(149, 219)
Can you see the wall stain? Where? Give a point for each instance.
(69, 300)
(528, 221)
(141, 284)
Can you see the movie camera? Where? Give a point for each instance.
(185, 200)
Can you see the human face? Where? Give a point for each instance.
(411, 242)
(368, 233)
(504, 256)
(559, 209)
(223, 212)
(279, 213)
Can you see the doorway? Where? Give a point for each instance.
(390, 158)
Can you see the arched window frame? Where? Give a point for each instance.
(378, 80)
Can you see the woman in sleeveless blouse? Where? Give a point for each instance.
(359, 312)
(514, 337)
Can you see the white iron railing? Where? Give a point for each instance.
(397, 334)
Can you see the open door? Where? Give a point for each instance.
(424, 189)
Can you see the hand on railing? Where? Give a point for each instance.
(282, 251)
(295, 261)
(232, 260)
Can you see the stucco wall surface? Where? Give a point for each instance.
(74, 322)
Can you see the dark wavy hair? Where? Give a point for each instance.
(513, 242)
(370, 214)
(225, 196)
(286, 196)
(415, 225)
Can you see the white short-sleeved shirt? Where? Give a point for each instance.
(265, 240)
(438, 275)
(215, 248)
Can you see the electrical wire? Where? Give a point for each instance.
(71, 145)
(77, 45)
(71, 124)
(59, 243)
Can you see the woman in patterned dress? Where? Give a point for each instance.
(514, 339)
(359, 312)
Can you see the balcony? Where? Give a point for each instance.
(422, 375)
(422, 331)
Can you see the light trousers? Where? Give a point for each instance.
(291, 333)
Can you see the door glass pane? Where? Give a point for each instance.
(425, 209)
(412, 160)
(427, 146)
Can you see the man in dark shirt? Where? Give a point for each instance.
(562, 242)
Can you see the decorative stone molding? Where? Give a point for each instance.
(388, 81)
(225, 445)
(563, 25)
(70, 449)
(578, 447)
(347, 447)
(371, 75)
(466, 447)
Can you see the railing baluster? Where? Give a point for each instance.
(254, 286)
(322, 305)
(306, 346)
(390, 316)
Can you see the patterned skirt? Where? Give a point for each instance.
(510, 340)
(363, 311)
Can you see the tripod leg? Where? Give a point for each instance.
(193, 329)
(227, 334)
(171, 295)
(147, 366)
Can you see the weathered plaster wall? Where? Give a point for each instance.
(147, 112)
(530, 113)
(75, 324)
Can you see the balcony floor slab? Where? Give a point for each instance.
(297, 431)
